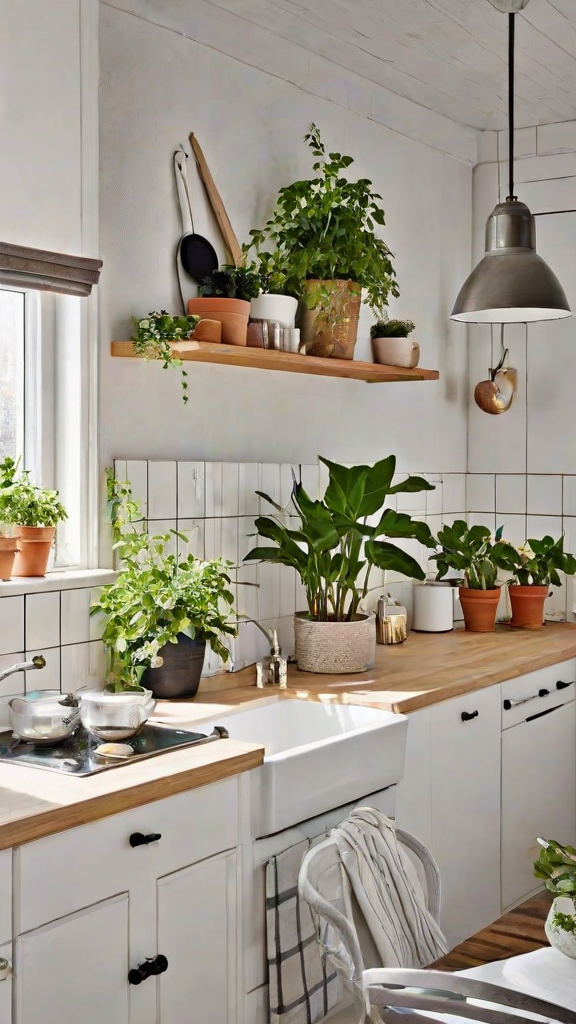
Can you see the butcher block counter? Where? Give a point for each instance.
(426, 669)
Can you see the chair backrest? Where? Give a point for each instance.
(411, 992)
(340, 928)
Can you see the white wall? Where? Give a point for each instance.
(156, 86)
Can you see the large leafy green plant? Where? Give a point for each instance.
(540, 562)
(472, 553)
(22, 503)
(340, 539)
(557, 866)
(156, 596)
(324, 228)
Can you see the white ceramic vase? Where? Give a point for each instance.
(562, 940)
(281, 309)
(335, 648)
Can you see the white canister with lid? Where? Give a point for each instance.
(433, 610)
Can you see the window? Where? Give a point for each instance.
(12, 358)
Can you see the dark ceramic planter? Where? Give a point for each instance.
(178, 678)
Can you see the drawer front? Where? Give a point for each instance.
(65, 872)
(6, 985)
(537, 691)
(5, 896)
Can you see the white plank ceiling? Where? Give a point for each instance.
(446, 55)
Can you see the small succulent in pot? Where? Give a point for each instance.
(538, 566)
(478, 557)
(385, 328)
(225, 296)
(230, 282)
(153, 335)
(32, 513)
(390, 343)
(556, 865)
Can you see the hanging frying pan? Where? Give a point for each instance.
(196, 256)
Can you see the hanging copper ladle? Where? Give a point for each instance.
(496, 395)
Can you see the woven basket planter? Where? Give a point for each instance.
(336, 648)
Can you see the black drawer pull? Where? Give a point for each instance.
(543, 693)
(467, 716)
(561, 685)
(139, 839)
(151, 966)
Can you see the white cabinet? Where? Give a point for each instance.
(75, 968)
(538, 793)
(197, 934)
(6, 984)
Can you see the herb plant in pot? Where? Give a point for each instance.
(472, 552)
(33, 514)
(537, 568)
(8, 550)
(391, 345)
(153, 337)
(272, 303)
(162, 610)
(557, 865)
(322, 243)
(333, 546)
(225, 296)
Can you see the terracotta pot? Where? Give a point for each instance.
(34, 544)
(231, 313)
(479, 607)
(332, 332)
(8, 549)
(528, 606)
(335, 647)
(208, 330)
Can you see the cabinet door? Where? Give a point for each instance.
(465, 787)
(197, 933)
(75, 968)
(6, 984)
(538, 794)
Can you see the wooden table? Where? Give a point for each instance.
(519, 931)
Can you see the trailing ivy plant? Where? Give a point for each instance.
(324, 228)
(338, 540)
(231, 282)
(153, 334)
(557, 866)
(392, 328)
(156, 595)
(22, 503)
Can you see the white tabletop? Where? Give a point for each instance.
(544, 973)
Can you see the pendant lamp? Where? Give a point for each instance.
(512, 283)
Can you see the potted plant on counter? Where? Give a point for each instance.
(473, 553)
(162, 610)
(557, 866)
(391, 345)
(334, 545)
(225, 296)
(324, 248)
(153, 336)
(33, 514)
(537, 568)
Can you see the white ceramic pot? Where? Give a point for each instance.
(433, 607)
(336, 648)
(281, 309)
(559, 938)
(396, 352)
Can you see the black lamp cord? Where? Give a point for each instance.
(511, 39)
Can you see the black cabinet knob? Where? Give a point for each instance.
(150, 967)
(139, 839)
(561, 685)
(467, 716)
(543, 692)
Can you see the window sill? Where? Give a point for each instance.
(70, 579)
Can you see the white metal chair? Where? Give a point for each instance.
(414, 994)
(340, 926)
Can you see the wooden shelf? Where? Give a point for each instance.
(265, 359)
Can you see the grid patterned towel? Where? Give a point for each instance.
(302, 987)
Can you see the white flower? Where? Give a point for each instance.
(143, 324)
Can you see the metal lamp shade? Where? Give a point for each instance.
(512, 283)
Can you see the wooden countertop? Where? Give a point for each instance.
(426, 669)
(36, 803)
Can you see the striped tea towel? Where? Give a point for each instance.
(303, 988)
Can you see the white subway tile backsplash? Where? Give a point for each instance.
(314, 479)
(480, 492)
(15, 683)
(162, 490)
(137, 474)
(569, 526)
(511, 493)
(191, 496)
(83, 665)
(270, 485)
(11, 625)
(248, 484)
(167, 528)
(482, 519)
(97, 619)
(230, 489)
(75, 616)
(569, 495)
(213, 489)
(47, 678)
(540, 526)
(193, 531)
(42, 620)
(514, 528)
(544, 495)
(434, 499)
(453, 492)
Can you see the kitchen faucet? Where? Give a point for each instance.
(272, 670)
(38, 661)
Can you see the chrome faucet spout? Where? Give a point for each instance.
(37, 662)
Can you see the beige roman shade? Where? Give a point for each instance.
(46, 271)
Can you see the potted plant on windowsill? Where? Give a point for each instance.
(33, 514)
(162, 610)
(8, 551)
(325, 249)
(391, 345)
(225, 296)
(473, 553)
(557, 866)
(537, 569)
(333, 547)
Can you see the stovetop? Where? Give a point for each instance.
(77, 755)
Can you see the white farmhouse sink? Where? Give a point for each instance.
(318, 756)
